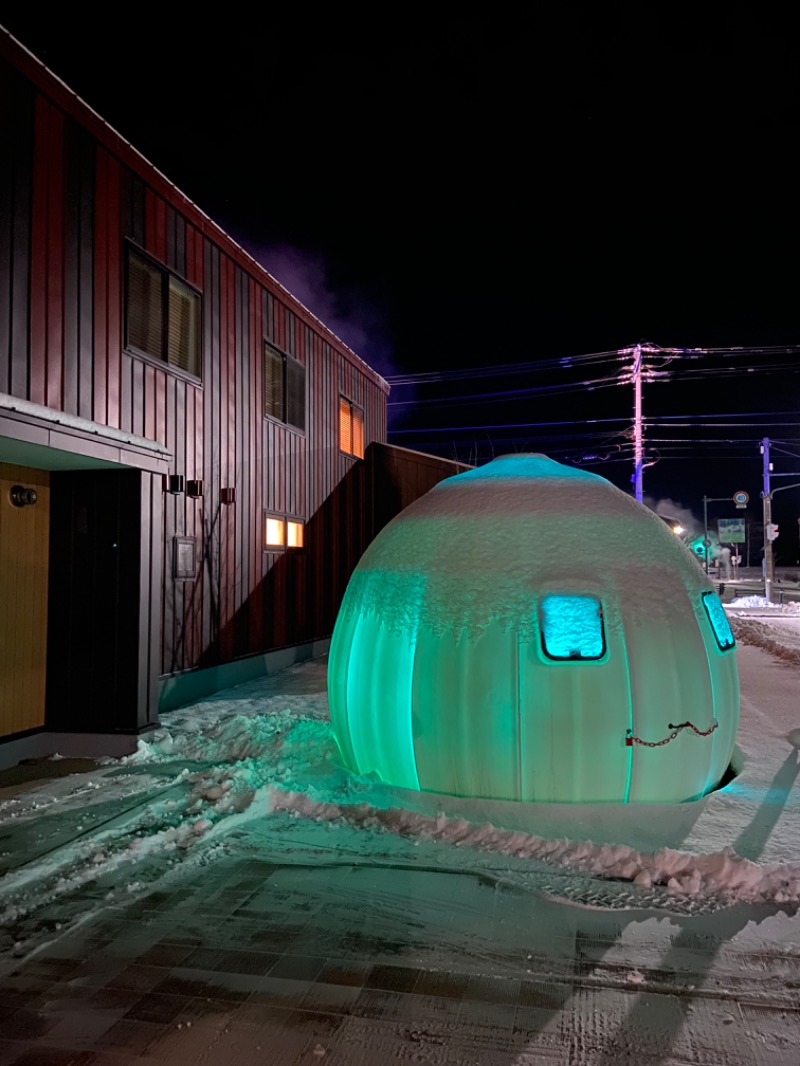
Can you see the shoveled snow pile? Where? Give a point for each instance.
(762, 601)
(778, 634)
(255, 760)
(723, 874)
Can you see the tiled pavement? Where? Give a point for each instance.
(315, 954)
(243, 967)
(249, 962)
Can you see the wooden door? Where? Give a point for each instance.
(24, 564)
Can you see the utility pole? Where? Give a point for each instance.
(769, 565)
(770, 531)
(637, 421)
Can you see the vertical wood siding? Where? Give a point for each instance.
(17, 125)
(72, 198)
(46, 268)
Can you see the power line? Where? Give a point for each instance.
(534, 366)
(723, 414)
(497, 370)
(511, 395)
(653, 422)
(615, 444)
(650, 424)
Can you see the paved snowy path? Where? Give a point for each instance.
(278, 938)
(325, 959)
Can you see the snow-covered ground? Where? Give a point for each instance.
(248, 754)
(588, 934)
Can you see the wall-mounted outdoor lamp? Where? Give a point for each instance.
(175, 484)
(227, 495)
(22, 497)
(194, 489)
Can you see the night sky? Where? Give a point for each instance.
(453, 191)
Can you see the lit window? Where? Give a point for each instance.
(572, 627)
(284, 388)
(162, 315)
(280, 533)
(351, 428)
(276, 533)
(719, 621)
(294, 534)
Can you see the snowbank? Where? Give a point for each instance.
(253, 756)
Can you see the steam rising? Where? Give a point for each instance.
(351, 313)
(670, 509)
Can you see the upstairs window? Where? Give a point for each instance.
(723, 634)
(351, 428)
(284, 388)
(572, 628)
(162, 315)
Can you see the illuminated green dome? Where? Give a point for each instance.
(517, 631)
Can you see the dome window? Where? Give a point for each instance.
(572, 628)
(719, 621)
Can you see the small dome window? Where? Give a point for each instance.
(572, 628)
(719, 621)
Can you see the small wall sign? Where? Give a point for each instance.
(184, 558)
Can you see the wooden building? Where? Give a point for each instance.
(182, 491)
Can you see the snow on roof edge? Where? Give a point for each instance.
(382, 382)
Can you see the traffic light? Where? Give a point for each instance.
(772, 531)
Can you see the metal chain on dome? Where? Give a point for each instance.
(630, 739)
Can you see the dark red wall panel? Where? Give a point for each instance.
(55, 259)
(89, 194)
(108, 282)
(113, 286)
(47, 258)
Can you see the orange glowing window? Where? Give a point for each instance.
(280, 533)
(294, 534)
(351, 428)
(275, 533)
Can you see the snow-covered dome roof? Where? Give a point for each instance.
(468, 552)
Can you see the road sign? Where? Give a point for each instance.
(731, 530)
(772, 531)
(740, 498)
